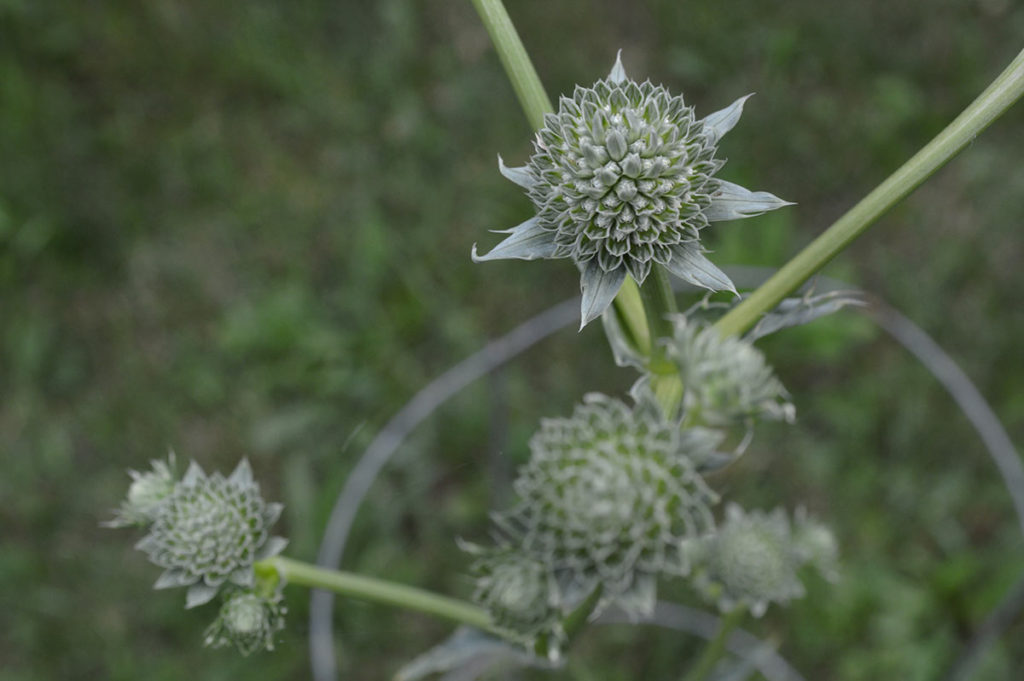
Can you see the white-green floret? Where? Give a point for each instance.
(750, 562)
(516, 589)
(726, 381)
(146, 494)
(210, 531)
(610, 499)
(623, 178)
(247, 621)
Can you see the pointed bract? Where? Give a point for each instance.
(199, 594)
(599, 289)
(733, 202)
(689, 264)
(520, 175)
(618, 74)
(724, 120)
(526, 241)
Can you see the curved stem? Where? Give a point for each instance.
(990, 104)
(379, 591)
(517, 63)
(716, 648)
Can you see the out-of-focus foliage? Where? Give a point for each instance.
(243, 228)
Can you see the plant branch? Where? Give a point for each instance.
(716, 648)
(517, 63)
(990, 104)
(379, 591)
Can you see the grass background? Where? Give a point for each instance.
(242, 229)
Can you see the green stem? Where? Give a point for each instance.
(629, 307)
(517, 63)
(991, 104)
(716, 648)
(380, 591)
(535, 103)
(659, 302)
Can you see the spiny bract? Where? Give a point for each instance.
(210, 531)
(247, 621)
(609, 499)
(622, 177)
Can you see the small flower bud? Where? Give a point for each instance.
(146, 495)
(750, 562)
(210, 531)
(247, 621)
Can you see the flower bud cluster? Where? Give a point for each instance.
(207, 532)
(609, 500)
(726, 381)
(622, 177)
(247, 621)
(753, 559)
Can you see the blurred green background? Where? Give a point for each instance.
(242, 229)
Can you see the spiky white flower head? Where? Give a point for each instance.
(146, 494)
(610, 497)
(517, 589)
(210, 531)
(726, 380)
(247, 621)
(749, 562)
(622, 177)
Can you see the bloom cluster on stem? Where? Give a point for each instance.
(623, 179)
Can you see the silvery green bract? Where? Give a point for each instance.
(247, 621)
(210, 531)
(146, 494)
(622, 177)
(609, 499)
(751, 561)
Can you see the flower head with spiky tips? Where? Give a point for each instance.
(726, 380)
(622, 177)
(517, 589)
(210, 531)
(751, 561)
(609, 499)
(247, 621)
(146, 495)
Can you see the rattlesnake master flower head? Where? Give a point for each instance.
(610, 497)
(750, 562)
(726, 380)
(516, 589)
(210, 531)
(622, 176)
(146, 494)
(247, 621)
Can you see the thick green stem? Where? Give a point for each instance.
(517, 63)
(659, 302)
(716, 648)
(629, 307)
(379, 591)
(992, 103)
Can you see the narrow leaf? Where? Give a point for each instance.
(599, 289)
(732, 202)
(722, 121)
(526, 241)
(798, 311)
(689, 264)
(520, 175)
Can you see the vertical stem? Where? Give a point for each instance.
(517, 63)
(990, 104)
(659, 302)
(714, 650)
